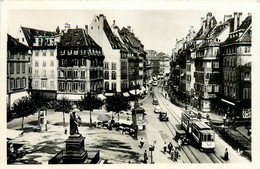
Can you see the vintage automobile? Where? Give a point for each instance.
(181, 134)
(157, 109)
(155, 101)
(163, 116)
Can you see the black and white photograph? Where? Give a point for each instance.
(150, 86)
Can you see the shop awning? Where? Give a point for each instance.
(109, 94)
(71, 97)
(228, 102)
(126, 94)
(101, 96)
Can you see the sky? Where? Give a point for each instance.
(157, 29)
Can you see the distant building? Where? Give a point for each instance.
(18, 70)
(44, 61)
(236, 51)
(80, 61)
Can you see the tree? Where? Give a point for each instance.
(117, 103)
(90, 102)
(64, 106)
(24, 107)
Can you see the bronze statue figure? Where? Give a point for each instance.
(73, 124)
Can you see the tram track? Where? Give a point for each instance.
(189, 153)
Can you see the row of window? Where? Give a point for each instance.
(43, 73)
(20, 68)
(207, 88)
(107, 86)
(42, 84)
(207, 64)
(79, 62)
(233, 50)
(44, 63)
(18, 56)
(43, 52)
(18, 83)
(113, 66)
(89, 51)
(106, 73)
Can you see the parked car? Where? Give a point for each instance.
(157, 109)
(155, 83)
(155, 101)
(163, 116)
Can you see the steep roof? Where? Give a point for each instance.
(133, 42)
(77, 38)
(113, 40)
(14, 45)
(202, 34)
(30, 33)
(241, 34)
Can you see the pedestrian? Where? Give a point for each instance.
(226, 154)
(166, 95)
(141, 142)
(176, 154)
(179, 144)
(164, 148)
(172, 153)
(145, 156)
(170, 147)
(207, 116)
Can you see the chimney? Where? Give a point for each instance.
(129, 28)
(227, 17)
(204, 26)
(77, 26)
(220, 22)
(201, 21)
(209, 16)
(66, 26)
(58, 30)
(239, 19)
(86, 29)
(235, 21)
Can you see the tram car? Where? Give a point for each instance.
(203, 136)
(187, 118)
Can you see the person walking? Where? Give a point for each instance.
(170, 147)
(145, 156)
(172, 153)
(164, 147)
(176, 154)
(226, 154)
(141, 142)
(179, 143)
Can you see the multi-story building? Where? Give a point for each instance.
(102, 34)
(80, 61)
(236, 51)
(137, 57)
(164, 64)
(18, 70)
(44, 60)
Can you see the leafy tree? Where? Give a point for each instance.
(24, 107)
(117, 103)
(64, 106)
(39, 99)
(90, 102)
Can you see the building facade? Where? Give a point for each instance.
(80, 61)
(18, 70)
(44, 59)
(236, 51)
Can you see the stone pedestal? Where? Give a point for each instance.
(75, 152)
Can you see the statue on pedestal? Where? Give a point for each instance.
(73, 124)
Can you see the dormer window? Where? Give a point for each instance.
(69, 52)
